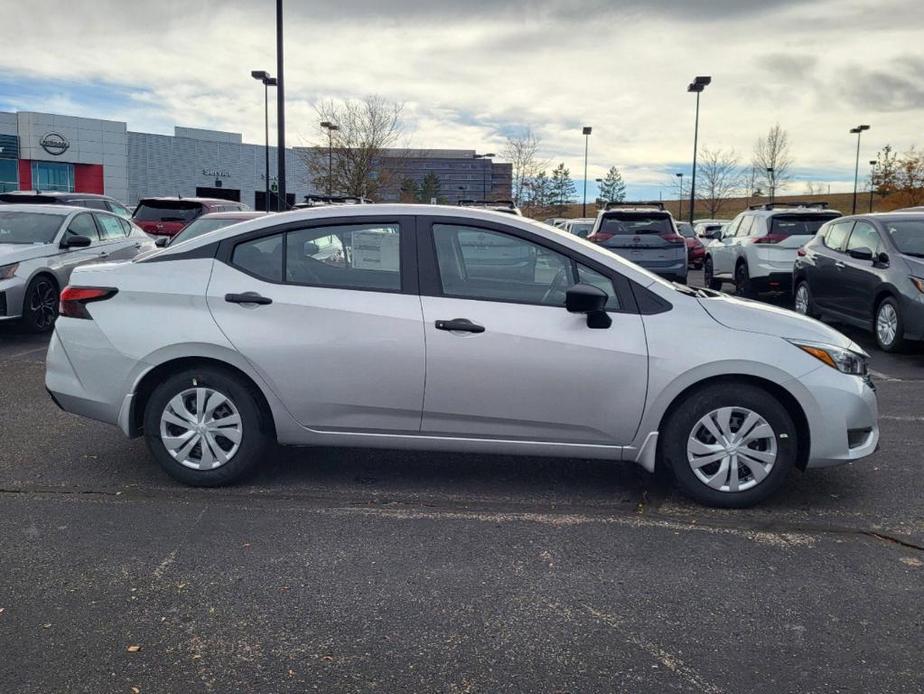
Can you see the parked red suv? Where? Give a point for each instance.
(696, 251)
(169, 216)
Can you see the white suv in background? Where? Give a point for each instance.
(757, 250)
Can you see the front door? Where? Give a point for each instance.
(724, 251)
(505, 360)
(861, 278)
(80, 225)
(327, 314)
(828, 284)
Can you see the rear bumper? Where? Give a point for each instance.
(913, 317)
(775, 282)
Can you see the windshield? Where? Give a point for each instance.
(202, 226)
(908, 236)
(29, 227)
(167, 211)
(784, 225)
(635, 223)
(686, 229)
(582, 229)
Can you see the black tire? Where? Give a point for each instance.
(898, 342)
(683, 422)
(711, 282)
(743, 287)
(681, 280)
(810, 309)
(254, 439)
(40, 305)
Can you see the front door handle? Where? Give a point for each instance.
(248, 298)
(839, 265)
(463, 325)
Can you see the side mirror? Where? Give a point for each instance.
(75, 241)
(161, 241)
(590, 300)
(882, 260)
(862, 253)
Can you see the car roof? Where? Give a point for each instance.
(392, 210)
(791, 209)
(55, 194)
(236, 214)
(176, 198)
(46, 209)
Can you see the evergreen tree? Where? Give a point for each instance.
(563, 189)
(613, 188)
(429, 188)
(538, 191)
(409, 190)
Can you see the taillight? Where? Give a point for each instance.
(801, 252)
(74, 300)
(600, 237)
(673, 238)
(770, 238)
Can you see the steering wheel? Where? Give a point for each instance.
(559, 286)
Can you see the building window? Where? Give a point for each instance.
(8, 175)
(49, 175)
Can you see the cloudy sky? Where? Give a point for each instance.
(472, 71)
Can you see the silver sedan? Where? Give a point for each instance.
(40, 245)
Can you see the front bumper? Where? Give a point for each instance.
(913, 317)
(843, 417)
(12, 295)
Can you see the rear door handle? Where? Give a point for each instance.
(463, 325)
(248, 298)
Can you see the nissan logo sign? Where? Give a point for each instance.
(54, 144)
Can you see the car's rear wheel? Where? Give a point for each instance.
(729, 445)
(40, 306)
(803, 301)
(708, 277)
(743, 287)
(889, 326)
(204, 427)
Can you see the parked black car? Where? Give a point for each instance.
(867, 270)
(91, 201)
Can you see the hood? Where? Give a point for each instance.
(21, 252)
(915, 265)
(756, 317)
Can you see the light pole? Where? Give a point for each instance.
(484, 176)
(696, 86)
(330, 128)
(856, 170)
(268, 82)
(282, 203)
(771, 174)
(872, 173)
(587, 130)
(680, 211)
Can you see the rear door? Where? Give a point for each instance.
(518, 366)
(113, 240)
(647, 238)
(828, 282)
(327, 313)
(861, 278)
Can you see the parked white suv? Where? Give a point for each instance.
(758, 249)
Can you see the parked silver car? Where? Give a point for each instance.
(41, 244)
(451, 329)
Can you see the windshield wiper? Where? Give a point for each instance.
(914, 255)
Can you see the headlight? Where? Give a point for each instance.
(7, 271)
(918, 283)
(844, 360)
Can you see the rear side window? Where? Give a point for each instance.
(837, 235)
(167, 211)
(745, 227)
(366, 256)
(261, 257)
(92, 203)
(110, 228)
(636, 223)
(864, 235)
(785, 225)
(118, 209)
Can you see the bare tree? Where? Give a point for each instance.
(522, 151)
(812, 188)
(354, 161)
(720, 177)
(772, 152)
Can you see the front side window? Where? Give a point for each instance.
(837, 235)
(745, 227)
(82, 225)
(481, 264)
(864, 235)
(110, 228)
(592, 277)
(356, 256)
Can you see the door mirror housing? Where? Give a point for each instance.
(161, 241)
(75, 241)
(590, 300)
(862, 253)
(882, 260)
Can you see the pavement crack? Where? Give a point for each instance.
(892, 540)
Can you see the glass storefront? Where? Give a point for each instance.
(9, 179)
(51, 175)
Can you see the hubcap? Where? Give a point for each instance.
(887, 324)
(731, 449)
(43, 304)
(802, 299)
(201, 428)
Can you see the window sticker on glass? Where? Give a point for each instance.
(375, 249)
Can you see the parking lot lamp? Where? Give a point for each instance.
(872, 173)
(696, 86)
(330, 128)
(771, 174)
(856, 169)
(680, 211)
(587, 130)
(282, 203)
(484, 176)
(268, 82)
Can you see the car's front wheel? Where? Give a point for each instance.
(729, 445)
(708, 276)
(40, 306)
(889, 326)
(204, 427)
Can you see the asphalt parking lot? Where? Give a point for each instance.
(348, 570)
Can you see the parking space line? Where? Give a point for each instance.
(885, 377)
(901, 418)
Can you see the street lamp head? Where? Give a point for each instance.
(489, 155)
(325, 123)
(679, 175)
(270, 82)
(259, 74)
(332, 127)
(864, 127)
(599, 180)
(587, 130)
(703, 80)
(693, 87)
(873, 162)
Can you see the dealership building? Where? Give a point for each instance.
(41, 151)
